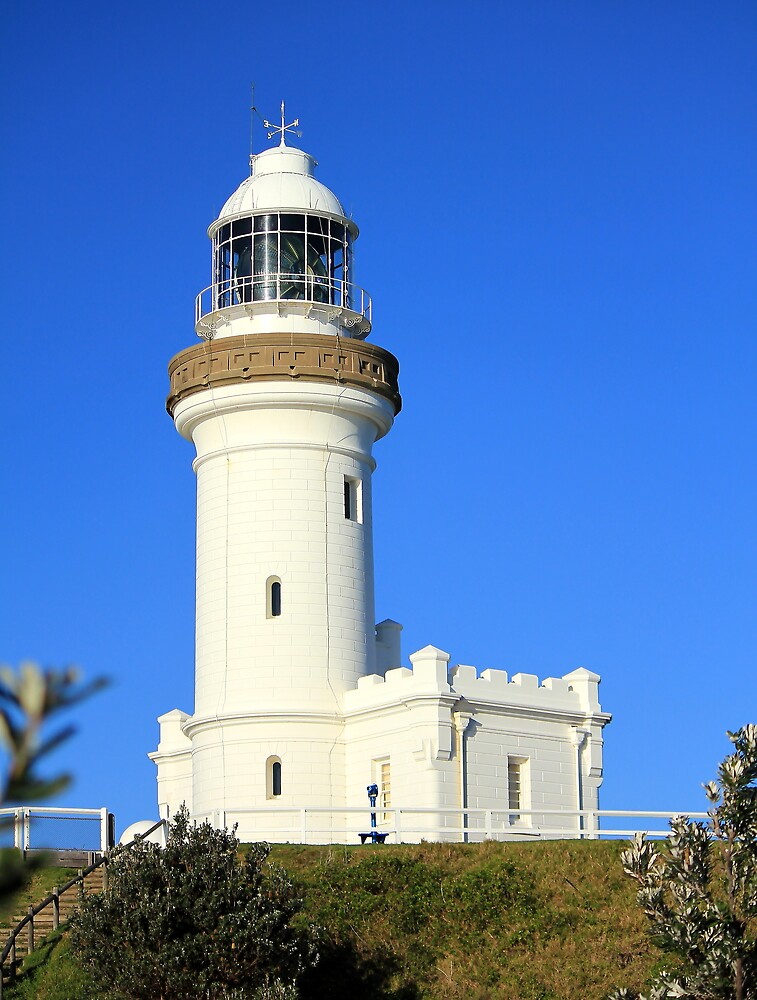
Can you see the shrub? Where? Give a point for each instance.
(193, 919)
(700, 890)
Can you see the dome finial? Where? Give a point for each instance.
(283, 128)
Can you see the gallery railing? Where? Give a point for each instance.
(283, 287)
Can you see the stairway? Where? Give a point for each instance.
(43, 921)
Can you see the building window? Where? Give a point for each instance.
(385, 789)
(273, 777)
(517, 787)
(353, 499)
(273, 597)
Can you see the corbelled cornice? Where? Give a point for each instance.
(278, 356)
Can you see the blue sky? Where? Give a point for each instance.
(557, 208)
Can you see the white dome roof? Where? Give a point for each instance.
(282, 178)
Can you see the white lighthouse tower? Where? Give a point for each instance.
(283, 402)
(300, 700)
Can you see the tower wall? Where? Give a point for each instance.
(231, 771)
(272, 460)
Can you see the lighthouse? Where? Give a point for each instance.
(283, 401)
(301, 700)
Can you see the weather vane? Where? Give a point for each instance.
(283, 128)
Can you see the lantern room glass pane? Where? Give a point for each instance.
(318, 225)
(266, 223)
(241, 227)
(223, 273)
(292, 265)
(265, 266)
(242, 267)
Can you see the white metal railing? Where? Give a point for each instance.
(283, 287)
(27, 826)
(310, 824)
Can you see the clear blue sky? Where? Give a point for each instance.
(558, 198)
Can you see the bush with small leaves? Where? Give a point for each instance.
(699, 890)
(193, 919)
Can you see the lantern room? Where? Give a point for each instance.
(283, 247)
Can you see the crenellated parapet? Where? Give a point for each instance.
(576, 692)
(574, 696)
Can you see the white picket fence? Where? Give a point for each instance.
(325, 825)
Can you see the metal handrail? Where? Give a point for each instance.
(56, 811)
(54, 899)
(272, 287)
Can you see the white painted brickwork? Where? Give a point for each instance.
(264, 510)
(318, 687)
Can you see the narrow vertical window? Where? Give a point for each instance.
(516, 787)
(273, 597)
(513, 788)
(385, 789)
(273, 777)
(353, 499)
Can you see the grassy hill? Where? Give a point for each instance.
(535, 921)
(41, 884)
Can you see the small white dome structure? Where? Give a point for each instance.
(141, 827)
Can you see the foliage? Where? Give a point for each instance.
(700, 891)
(569, 927)
(193, 919)
(28, 699)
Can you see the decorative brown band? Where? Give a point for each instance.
(267, 357)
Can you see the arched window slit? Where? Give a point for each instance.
(273, 597)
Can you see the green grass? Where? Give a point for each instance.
(52, 973)
(544, 921)
(41, 884)
(512, 921)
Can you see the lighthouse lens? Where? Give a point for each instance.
(265, 261)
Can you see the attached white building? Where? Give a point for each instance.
(300, 700)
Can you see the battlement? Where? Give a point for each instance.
(430, 674)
